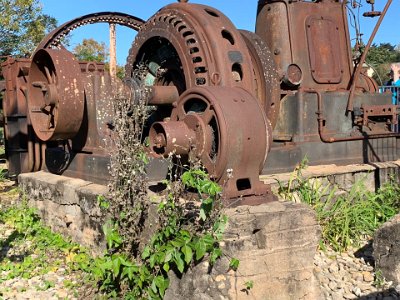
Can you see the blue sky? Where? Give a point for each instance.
(242, 13)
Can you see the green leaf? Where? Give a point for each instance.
(152, 260)
(234, 264)
(179, 262)
(154, 286)
(162, 284)
(215, 254)
(116, 264)
(166, 267)
(178, 243)
(249, 284)
(168, 255)
(188, 253)
(146, 252)
(203, 216)
(200, 248)
(209, 240)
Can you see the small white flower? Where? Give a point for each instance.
(229, 172)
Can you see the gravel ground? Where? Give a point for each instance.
(351, 275)
(348, 275)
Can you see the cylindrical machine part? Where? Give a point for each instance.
(161, 95)
(270, 16)
(171, 137)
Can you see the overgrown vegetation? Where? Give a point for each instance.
(137, 263)
(36, 250)
(345, 216)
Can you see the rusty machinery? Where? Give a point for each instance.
(242, 101)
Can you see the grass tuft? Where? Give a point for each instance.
(346, 217)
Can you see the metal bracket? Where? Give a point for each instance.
(388, 110)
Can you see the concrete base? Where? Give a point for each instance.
(387, 250)
(68, 205)
(275, 244)
(373, 175)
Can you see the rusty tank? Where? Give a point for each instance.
(245, 103)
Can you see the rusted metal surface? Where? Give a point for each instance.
(389, 111)
(205, 124)
(364, 56)
(242, 102)
(16, 124)
(191, 45)
(55, 38)
(56, 94)
(266, 76)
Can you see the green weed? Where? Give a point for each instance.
(345, 217)
(47, 250)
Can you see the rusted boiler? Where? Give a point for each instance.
(246, 102)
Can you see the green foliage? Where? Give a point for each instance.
(28, 227)
(249, 284)
(234, 264)
(103, 202)
(345, 217)
(380, 57)
(177, 244)
(22, 26)
(379, 280)
(91, 50)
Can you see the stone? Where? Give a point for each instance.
(276, 245)
(357, 291)
(357, 276)
(337, 295)
(332, 285)
(367, 276)
(333, 268)
(349, 296)
(387, 249)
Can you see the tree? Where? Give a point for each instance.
(380, 57)
(91, 50)
(22, 26)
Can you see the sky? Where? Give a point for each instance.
(242, 14)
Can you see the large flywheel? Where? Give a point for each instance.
(191, 45)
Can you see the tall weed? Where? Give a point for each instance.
(345, 216)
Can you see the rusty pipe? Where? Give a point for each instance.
(363, 57)
(327, 139)
(161, 95)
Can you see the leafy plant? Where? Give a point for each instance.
(345, 217)
(50, 249)
(180, 241)
(184, 234)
